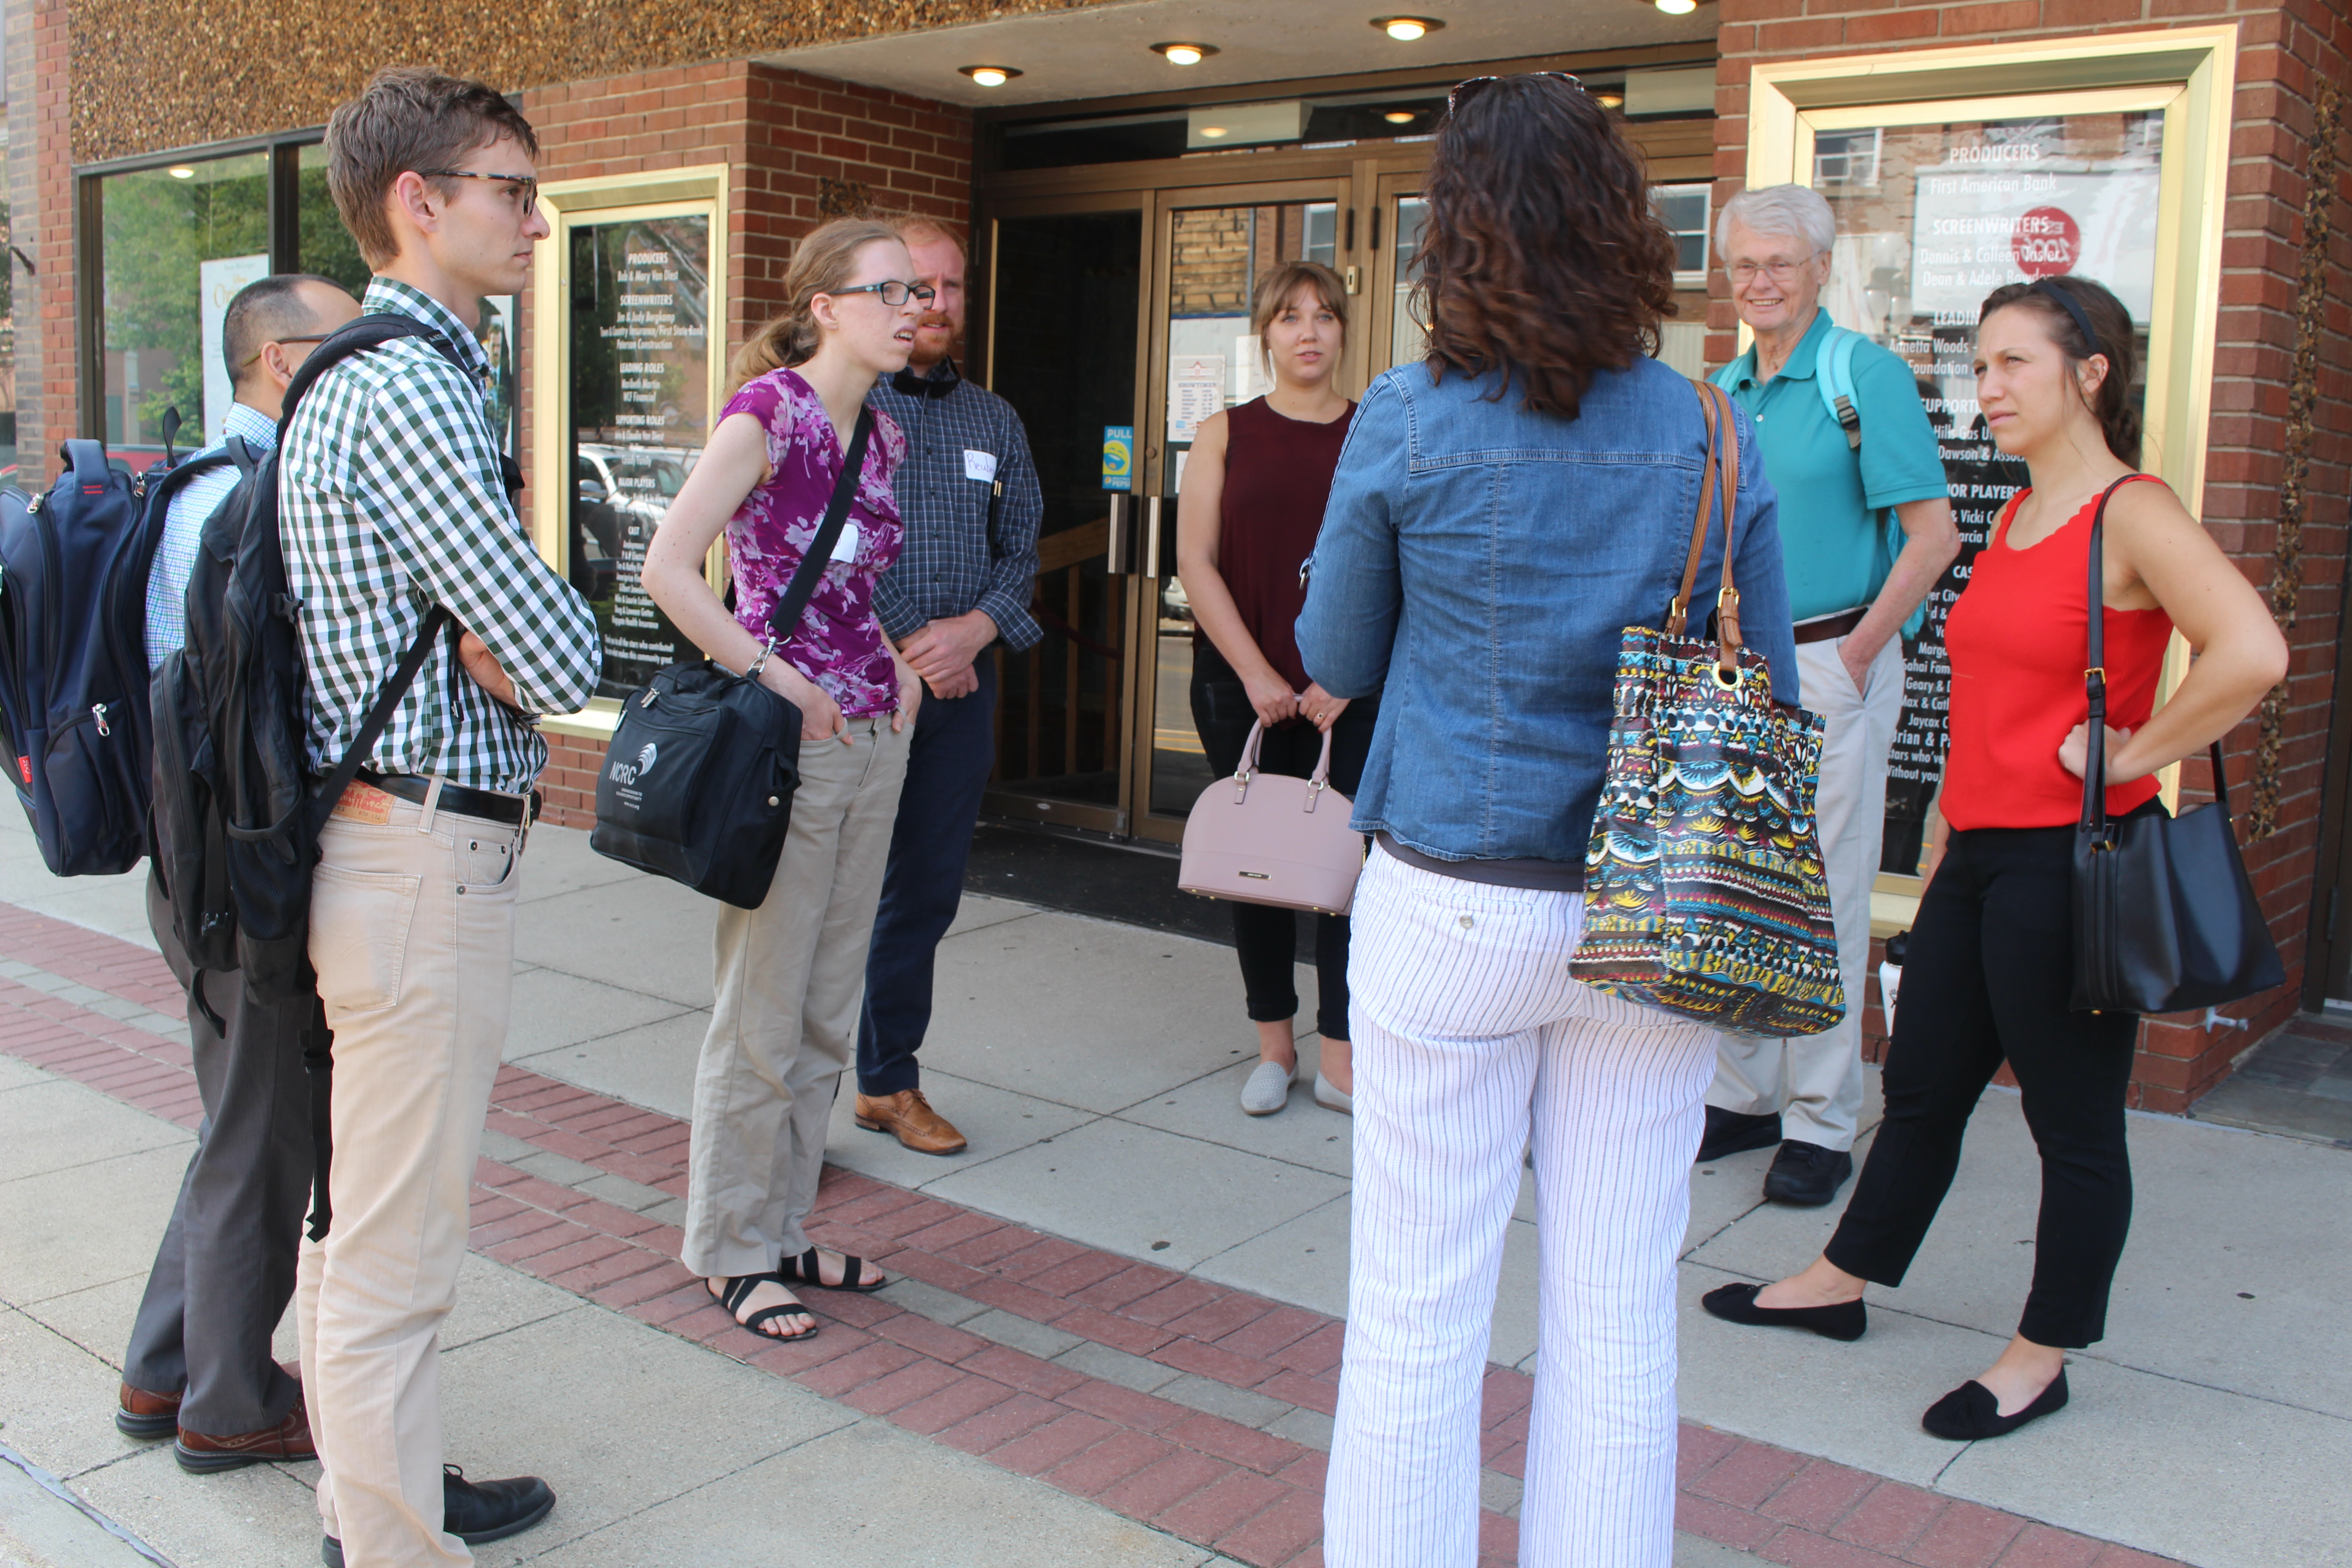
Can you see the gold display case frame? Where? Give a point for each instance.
(701, 190)
(2191, 73)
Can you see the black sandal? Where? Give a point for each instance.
(738, 1290)
(806, 1269)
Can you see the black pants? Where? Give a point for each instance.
(947, 773)
(225, 1268)
(1987, 979)
(1265, 938)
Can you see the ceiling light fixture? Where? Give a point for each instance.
(1184, 53)
(1405, 29)
(1214, 133)
(1399, 117)
(990, 76)
(1610, 100)
(181, 172)
(1678, 7)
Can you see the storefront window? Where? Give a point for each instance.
(1931, 219)
(176, 244)
(327, 247)
(8, 474)
(640, 407)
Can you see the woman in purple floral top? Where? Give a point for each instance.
(791, 974)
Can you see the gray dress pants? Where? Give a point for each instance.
(225, 1270)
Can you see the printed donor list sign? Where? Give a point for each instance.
(2011, 212)
(640, 384)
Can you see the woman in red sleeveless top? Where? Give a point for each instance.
(1990, 971)
(1252, 501)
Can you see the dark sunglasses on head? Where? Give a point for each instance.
(1465, 91)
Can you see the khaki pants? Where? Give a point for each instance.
(1814, 1081)
(412, 933)
(791, 976)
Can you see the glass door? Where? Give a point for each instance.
(1066, 292)
(1212, 245)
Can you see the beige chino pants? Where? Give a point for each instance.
(790, 976)
(412, 933)
(1814, 1081)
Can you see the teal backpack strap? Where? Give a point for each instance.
(1834, 374)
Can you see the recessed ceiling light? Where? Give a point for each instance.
(1610, 100)
(1678, 7)
(181, 172)
(1214, 131)
(990, 76)
(1405, 29)
(1399, 117)
(1184, 53)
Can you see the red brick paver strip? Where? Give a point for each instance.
(1249, 1494)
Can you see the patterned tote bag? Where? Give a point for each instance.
(1704, 893)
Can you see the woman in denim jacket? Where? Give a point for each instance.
(1500, 514)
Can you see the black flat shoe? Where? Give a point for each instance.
(1735, 1132)
(1737, 1304)
(1807, 1175)
(475, 1512)
(1970, 1412)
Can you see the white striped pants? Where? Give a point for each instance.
(1470, 1039)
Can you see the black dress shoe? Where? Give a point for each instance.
(1737, 1304)
(1807, 1174)
(1970, 1412)
(1735, 1132)
(476, 1511)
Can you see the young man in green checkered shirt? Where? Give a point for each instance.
(391, 501)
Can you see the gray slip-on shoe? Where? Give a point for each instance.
(1267, 1089)
(1330, 1099)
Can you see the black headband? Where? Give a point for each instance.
(2049, 290)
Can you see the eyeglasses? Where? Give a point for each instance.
(894, 293)
(1745, 272)
(527, 182)
(1465, 91)
(304, 338)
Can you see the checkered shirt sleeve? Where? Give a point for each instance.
(957, 557)
(390, 502)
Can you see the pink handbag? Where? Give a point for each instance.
(1269, 839)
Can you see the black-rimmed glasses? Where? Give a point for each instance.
(529, 182)
(1465, 91)
(299, 338)
(894, 293)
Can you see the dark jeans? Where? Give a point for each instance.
(1265, 938)
(947, 771)
(1986, 980)
(225, 1269)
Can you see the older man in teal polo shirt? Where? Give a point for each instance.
(1850, 595)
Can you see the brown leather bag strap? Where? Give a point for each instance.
(1678, 614)
(1726, 609)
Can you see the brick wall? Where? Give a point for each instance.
(799, 148)
(2286, 51)
(40, 186)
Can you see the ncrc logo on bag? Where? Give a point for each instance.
(627, 774)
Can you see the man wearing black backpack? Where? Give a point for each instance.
(391, 512)
(199, 1361)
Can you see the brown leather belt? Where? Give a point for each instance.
(1831, 626)
(486, 804)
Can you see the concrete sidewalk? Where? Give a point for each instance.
(1094, 1067)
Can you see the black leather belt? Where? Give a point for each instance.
(488, 804)
(1830, 627)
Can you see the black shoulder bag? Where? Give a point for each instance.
(2165, 919)
(698, 783)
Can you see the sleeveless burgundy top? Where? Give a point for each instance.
(2018, 638)
(1277, 478)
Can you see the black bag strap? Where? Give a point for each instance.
(786, 618)
(2094, 686)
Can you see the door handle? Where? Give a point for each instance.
(1122, 533)
(1151, 510)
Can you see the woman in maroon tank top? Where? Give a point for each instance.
(1251, 503)
(1990, 972)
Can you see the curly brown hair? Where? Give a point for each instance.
(1542, 256)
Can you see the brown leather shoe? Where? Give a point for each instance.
(909, 1116)
(146, 1416)
(288, 1440)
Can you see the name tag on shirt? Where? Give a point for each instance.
(845, 548)
(979, 465)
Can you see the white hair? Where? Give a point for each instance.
(1796, 212)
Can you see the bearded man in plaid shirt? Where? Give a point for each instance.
(391, 501)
